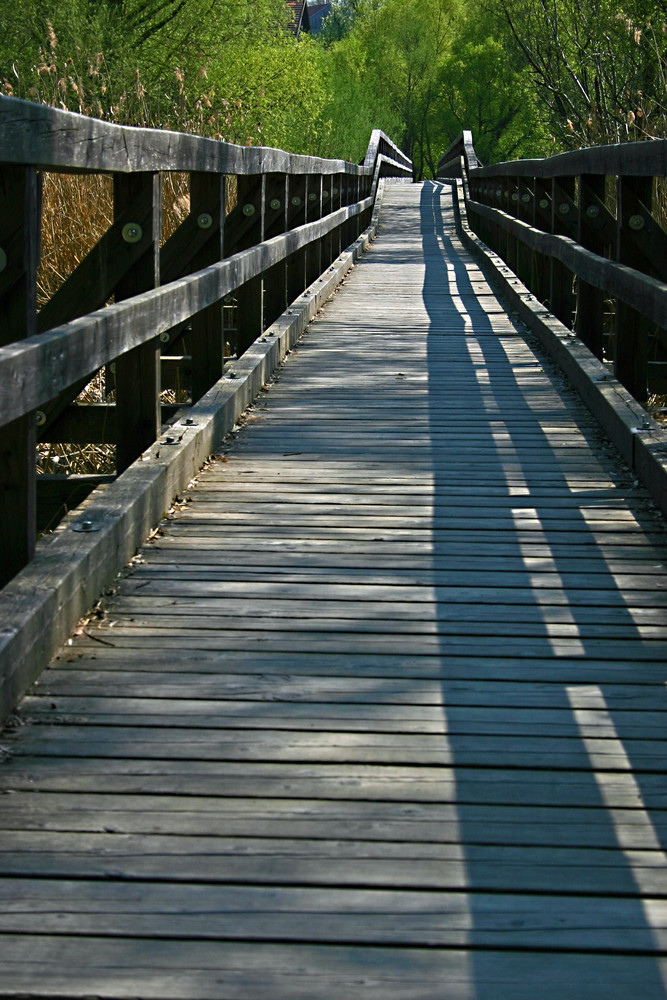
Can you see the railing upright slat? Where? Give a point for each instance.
(207, 210)
(137, 372)
(20, 222)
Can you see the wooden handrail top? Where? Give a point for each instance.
(627, 159)
(52, 139)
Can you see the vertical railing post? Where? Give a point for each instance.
(250, 222)
(498, 232)
(275, 223)
(563, 221)
(356, 196)
(633, 196)
(137, 375)
(590, 222)
(296, 262)
(20, 226)
(524, 213)
(336, 203)
(313, 212)
(542, 219)
(512, 208)
(207, 206)
(327, 242)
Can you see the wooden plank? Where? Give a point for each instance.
(280, 861)
(135, 791)
(215, 970)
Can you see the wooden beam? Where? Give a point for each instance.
(631, 330)
(590, 300)
(296, 263)
(138, 370)
(20, 222)
(563, 221)
(207, 208)
(248, 218)
(313, 212)
(275, 222)
(53, 139)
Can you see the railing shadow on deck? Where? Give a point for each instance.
(577, 244)
(263, 226)
(567, 651)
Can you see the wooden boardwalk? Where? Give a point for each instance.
(379, 714)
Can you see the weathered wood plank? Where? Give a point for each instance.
(53, 139)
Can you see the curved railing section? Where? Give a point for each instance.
(262, 225)
(583, 232)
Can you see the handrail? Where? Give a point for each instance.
(52, 139)
(582, 247)
(263, 225)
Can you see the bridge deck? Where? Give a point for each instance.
(380, 712)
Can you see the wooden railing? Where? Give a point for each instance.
(582, 230)
(262, 225)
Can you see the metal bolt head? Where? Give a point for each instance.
(132, 232)
(205, 220)
(85, 525)
(40, 418)
(515, 196)
(3, 259)
(189, 422)
(296, 201)
(636, 222)
(248, 210)
(169, 440)
(544, 202)
(564, 208)
(335, 192)
(164, 337)
(593, 211)
(499, 192)
(325, 194)
(232, 375)
(525, 198)
(312, 196)
(275, 204)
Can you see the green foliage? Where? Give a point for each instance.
(485, 92)
(339, 22)
(526, 76)
(598, 68)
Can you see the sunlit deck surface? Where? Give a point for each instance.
(379, 714)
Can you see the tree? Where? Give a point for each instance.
(484, 91)
(598, 68)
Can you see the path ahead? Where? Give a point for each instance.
(380, 713)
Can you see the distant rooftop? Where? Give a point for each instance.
(316, 14)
